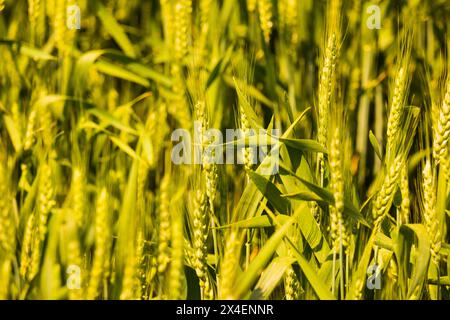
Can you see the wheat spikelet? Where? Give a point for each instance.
(45, 199)
(203, 202)
(74, 258)
(327, 76)
(45, 205)
(338, 233)
(142, 268)
(431, 219)
(357, 293)
(326, 90)
(78, 198)
(5, 275)
(265, 18)
(60, 24)
(182, 25)
(229, 267)
(7, 234)
(211, 182)
(46, 118)
(176, 261)
(177, 106)
(131, 282)
(202, 120)
(384, 197)
(27, 242)
(30, 134)
(35, 263)
(2, 5)
(247, 153)
(442, 131)
(74, 254)
(164, 233)
(102, 244)
(288, 11)
(404, 188)
(7, 227)
(291, 285)
(396, 106)
(210, 171)
(33, 12)
(200, 234)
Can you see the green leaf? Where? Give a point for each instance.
(412, 281)
(120, 72)
(248, 278)
(384, 241)
(375, 144)
(303, 195)
(271, 192)
(125, 148)
(304, 145)
(327, 196)
(271, 277)
(13, 132)
(319, 287)
(258, 222)
(219, 67)
(307, 223)
(358, 280)
(111, 25)
(109, 119)
(138, 68)
(26, 50)
(249, 89)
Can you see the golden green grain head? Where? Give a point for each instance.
(383, 199)
(265, 11)
(229, 266)
(429, 211)
(164, 231)
(182, 25)
(27, 242)
(291, 285)
(338, 232)
(175, 289)
(59, 23)
(103, 237)
(326, 88)
(405, 204)
(79, 196)
(131, 287)
(397, 105)
(7, 225)
(442, 130)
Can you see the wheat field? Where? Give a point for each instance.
(94, 206)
